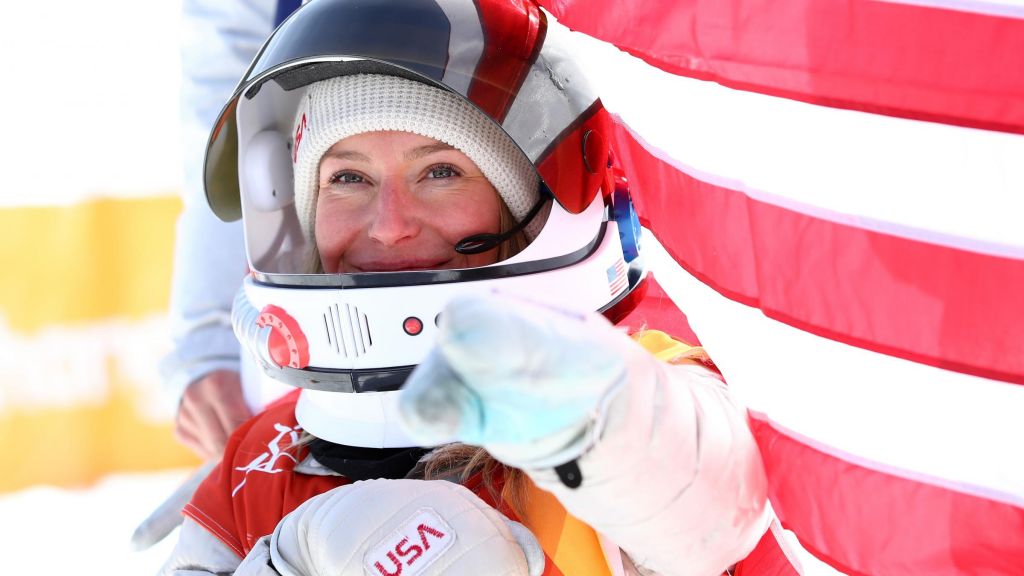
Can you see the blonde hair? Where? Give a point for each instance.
(461, 461)
(515, 243)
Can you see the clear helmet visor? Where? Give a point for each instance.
(498, 56)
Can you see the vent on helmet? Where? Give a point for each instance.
(348, 331)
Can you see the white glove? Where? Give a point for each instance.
(658, 458)
(525, 380)
(412, 527)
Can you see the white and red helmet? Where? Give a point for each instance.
(365, 332)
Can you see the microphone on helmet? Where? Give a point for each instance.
(478, 243)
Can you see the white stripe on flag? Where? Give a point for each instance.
(956, 428)
(937, 183)
(1008, 8)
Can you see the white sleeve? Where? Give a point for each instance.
(674, 476)
(199, 553)
(219, 40)
(258, 561)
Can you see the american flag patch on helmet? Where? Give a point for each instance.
(617, 278)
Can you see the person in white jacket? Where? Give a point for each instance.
(432, 217)
(203, 373)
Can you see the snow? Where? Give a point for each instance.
(48, 530)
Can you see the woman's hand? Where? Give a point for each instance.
(521, 378)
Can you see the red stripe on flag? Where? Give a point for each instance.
(902, 60)
(863, 521)
(932, 304)
(768, 558)
(656, 311)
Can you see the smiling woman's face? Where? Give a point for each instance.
(391, 201)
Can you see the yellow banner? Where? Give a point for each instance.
(82, 328)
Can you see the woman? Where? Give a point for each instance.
(395, 164)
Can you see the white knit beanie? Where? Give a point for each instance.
(344, 106)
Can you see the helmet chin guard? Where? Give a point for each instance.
(350, 340)
(367, 420)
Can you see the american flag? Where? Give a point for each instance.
(837, 188)
(617, 277)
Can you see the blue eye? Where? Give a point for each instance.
(443, 171)
(346, 178)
